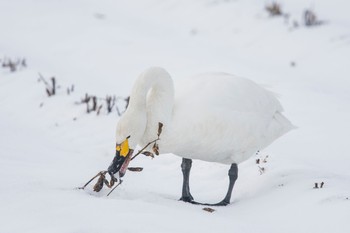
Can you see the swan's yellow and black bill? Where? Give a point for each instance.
(123, 148)
(121, 159)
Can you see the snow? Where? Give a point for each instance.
(102, 46)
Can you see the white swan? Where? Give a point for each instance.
(213, 117)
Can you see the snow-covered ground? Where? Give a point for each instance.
(49, 146)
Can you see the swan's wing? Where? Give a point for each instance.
(224, 91)
(220, 114)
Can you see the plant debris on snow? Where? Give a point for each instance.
(319, 186)
(208, 209)
(95, 104)
(102, 180)
(274, 9)
(13, 65)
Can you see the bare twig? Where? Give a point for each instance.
(53, 90)
(43, 79)
(110, 101)
(102, 178)
(160, 126)
(261, 170)
(322, 183)
(127, 100)
(86, 98)
(118, 111)
(50, 89)
(265, 159)
(94, 103)
(99, 109)
(13, 65)
(70, 89)
(140, 151)
(120, 181)
(310, 18)
(98, 174)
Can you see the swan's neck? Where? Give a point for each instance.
(151, 101)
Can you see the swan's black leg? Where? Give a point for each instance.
(233, 175)
(186, 168)
(186, 195)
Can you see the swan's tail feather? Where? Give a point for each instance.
(279, 126)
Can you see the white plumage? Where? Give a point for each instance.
(214, 117)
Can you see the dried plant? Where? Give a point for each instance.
(85, 99)
(265, 159)
(160, 128)
(321, 185)
(113, 180)
(99, 185)
(70, 89)
(261, 170)
(93, 106)
(50, 88)
(127, 100)
(110, 101)
(93, 103)
(14, 65)
(274, 9)
(155, 148)
(208, 209)
(99, 109)
(310, 18)
(262, 160)
(149, 154)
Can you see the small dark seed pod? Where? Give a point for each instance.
(99, 185)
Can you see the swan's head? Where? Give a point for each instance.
(121, 159)
(129, 133)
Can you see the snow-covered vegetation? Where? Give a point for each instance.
(49, 144)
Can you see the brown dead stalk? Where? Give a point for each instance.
(102, 174)
(274, 9)
(310, 18)
(155, 145)
(95, 104)
(208, 209)
(110, 102)
(50, 88)
(321, 185)
(13, 65)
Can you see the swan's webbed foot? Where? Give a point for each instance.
(186, 199)
(233, 175)
(221, 203)
(190, 200)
